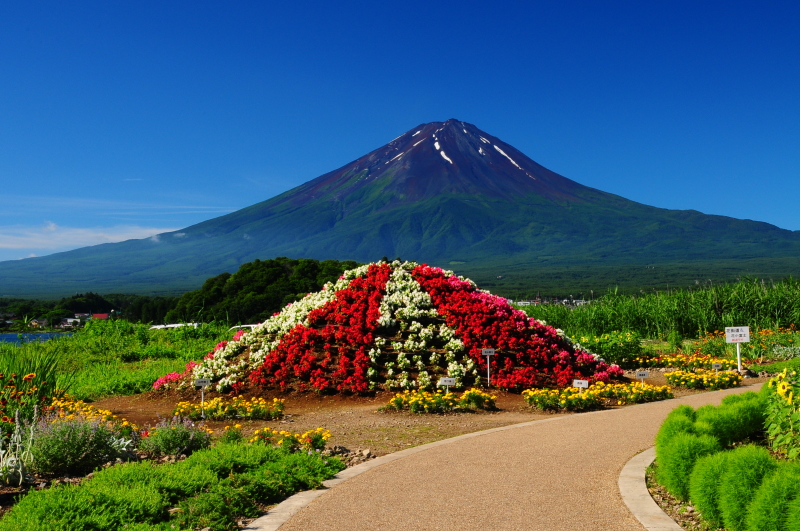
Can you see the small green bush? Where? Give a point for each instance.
(680, 420)
(745, 470)
(614, 347)
(704, 486)
(793, 515)
(770, 506)
(74, 447)
(733, 420)
(677, 457)
(175, 436)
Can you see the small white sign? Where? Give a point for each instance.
(202, 382)
(447, 382)
(580, 383)
(488, 352)
(642, 374)
(737, 334)
(716, 366)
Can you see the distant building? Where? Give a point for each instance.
(38, 323)
(83, 316)
(68, 322)
(100, 316)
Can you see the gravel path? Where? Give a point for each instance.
(553, 474)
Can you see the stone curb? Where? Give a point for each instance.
(634, 493)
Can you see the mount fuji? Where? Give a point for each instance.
(445, 193)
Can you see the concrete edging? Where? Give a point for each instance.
(634, 493)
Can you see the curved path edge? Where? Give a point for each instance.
(633, 488)
(279, 514)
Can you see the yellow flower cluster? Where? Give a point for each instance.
(235, 408)
(439, 402)
(68, 409)
(598, 395)
(703, 379)
(686, 361)
(310, 440)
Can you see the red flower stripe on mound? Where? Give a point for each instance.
(529, 354)
(332, 351)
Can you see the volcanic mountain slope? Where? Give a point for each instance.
(444, 192)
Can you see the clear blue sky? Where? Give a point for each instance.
(123, 119)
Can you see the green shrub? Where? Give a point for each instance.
(211, 487)
(74, 447)
(770, 505)
(745, 470)
(733, 420)
(175, 436)
(676, 459)
(704, 486)
(793, 515)
(614, 347)
(680, 420)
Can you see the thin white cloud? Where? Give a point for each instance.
(52, 236)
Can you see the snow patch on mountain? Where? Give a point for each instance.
(506, 156)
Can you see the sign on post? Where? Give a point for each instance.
(202, 383)
(581, 384)
(447, 382)
(642, 375)
(716, 366)
(737, 334)
(488, 352)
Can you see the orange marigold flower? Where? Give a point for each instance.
(29, 377)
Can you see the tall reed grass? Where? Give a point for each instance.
(686, 312)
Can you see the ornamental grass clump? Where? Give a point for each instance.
(440, 402)
(175, 436)
(235, 408)
(703, 379)
(704, 486)
(745, 469)
(676, 459)
(770, 506)
(621, 348)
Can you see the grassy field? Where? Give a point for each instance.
(117, 357)
(685, 313)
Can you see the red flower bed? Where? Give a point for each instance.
(332, 351)
(529, 354)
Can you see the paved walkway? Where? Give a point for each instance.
(555, 474)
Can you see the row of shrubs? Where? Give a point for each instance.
(706, 456)
(212, 488)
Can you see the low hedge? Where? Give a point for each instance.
(742, 489)
(211, 488)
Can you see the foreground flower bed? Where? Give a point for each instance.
(439, 402)
(596, 396)
(704, 379)
(395, 326)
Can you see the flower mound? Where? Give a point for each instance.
(396, 326)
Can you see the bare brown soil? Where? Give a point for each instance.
(355, 421)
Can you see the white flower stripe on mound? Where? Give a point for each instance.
(405, 300)
(266, 336)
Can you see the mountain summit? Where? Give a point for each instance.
(445, 193)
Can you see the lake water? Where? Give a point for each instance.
(41, 336)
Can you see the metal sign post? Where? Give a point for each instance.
(737, 334)
(202, 383)
(446, 382)
(642, 375)
(488, 352)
